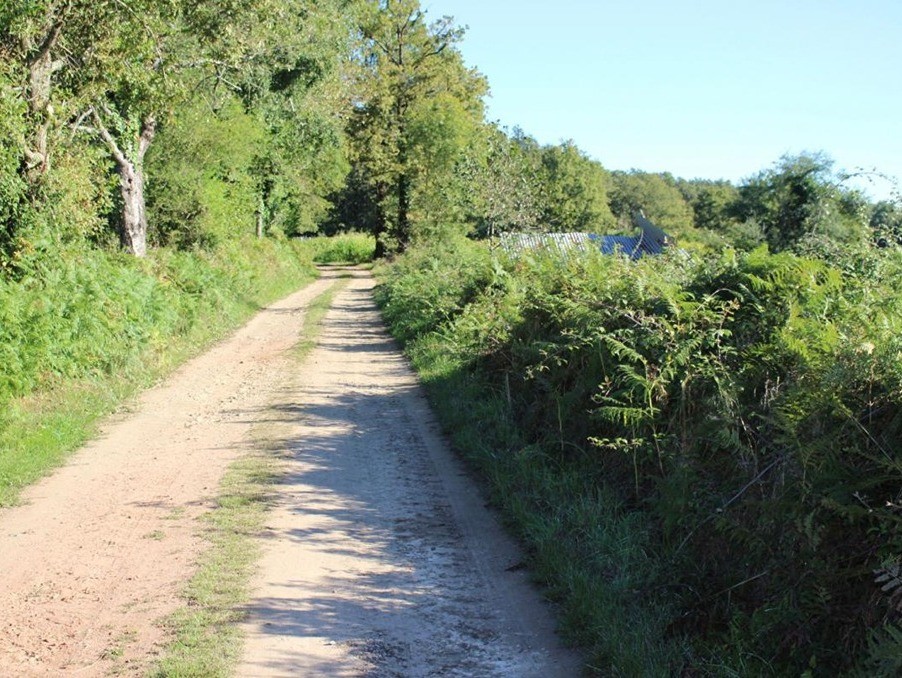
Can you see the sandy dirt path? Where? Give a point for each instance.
(100, 550)
(380, 558)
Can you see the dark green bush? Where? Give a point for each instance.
(747, 407)
(424, 292)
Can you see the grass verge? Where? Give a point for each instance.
(206, 640)
(82, 349)
(590, 554)
(454, 312)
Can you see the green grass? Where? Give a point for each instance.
(313, 318)
(206, 636)
(84, 339)
(206, 640)
(591, 555)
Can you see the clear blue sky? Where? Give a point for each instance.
(699, 88)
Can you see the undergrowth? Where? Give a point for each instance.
(344, 248)
(700, 455)
(78, 336)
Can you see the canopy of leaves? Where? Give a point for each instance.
(800, 197)
(417, 106)
(656, 195)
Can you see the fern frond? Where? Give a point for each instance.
(890, 578)
(626, 416)
(884, 654)
(622, 351)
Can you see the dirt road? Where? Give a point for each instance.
(100, 550)
(380, 559)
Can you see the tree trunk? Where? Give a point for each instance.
(261, 216)
(263, 203)
(379, 231)
(134, 213)
(403, 211)
(380, 250)
(41, 68)
(133, 233)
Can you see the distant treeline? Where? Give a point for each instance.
(185, 124)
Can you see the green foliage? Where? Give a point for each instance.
(421, 293)
(112, 75)
(800, 197)
(346, 248)
(417, 107)
(202, 189)
(574, 191)
(886, 224)
(298, 86)
(497, 178)
(657, 195)
(744, 409)
(100, 325)
(12, 185)
(438, 132)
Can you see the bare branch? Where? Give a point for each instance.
(78, 125)
(108, 139)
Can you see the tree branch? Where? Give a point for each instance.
(49, 42)
(148, 130)
(108, 139)
(77, 125)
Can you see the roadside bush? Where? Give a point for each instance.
(423, 291)
(344, 248)
(743, 409)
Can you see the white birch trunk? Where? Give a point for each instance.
(133, 229)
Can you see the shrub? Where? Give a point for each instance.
(744, 409)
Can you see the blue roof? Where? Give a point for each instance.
(651, 240)
(635, 247)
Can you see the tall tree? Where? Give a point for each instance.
(802, 196)
(46, 47)
(30, 42)
(416, 96)
(303, 98)
(98, 66)
(268, 112)
(574, 191)
(117, 71)
(499, 177)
